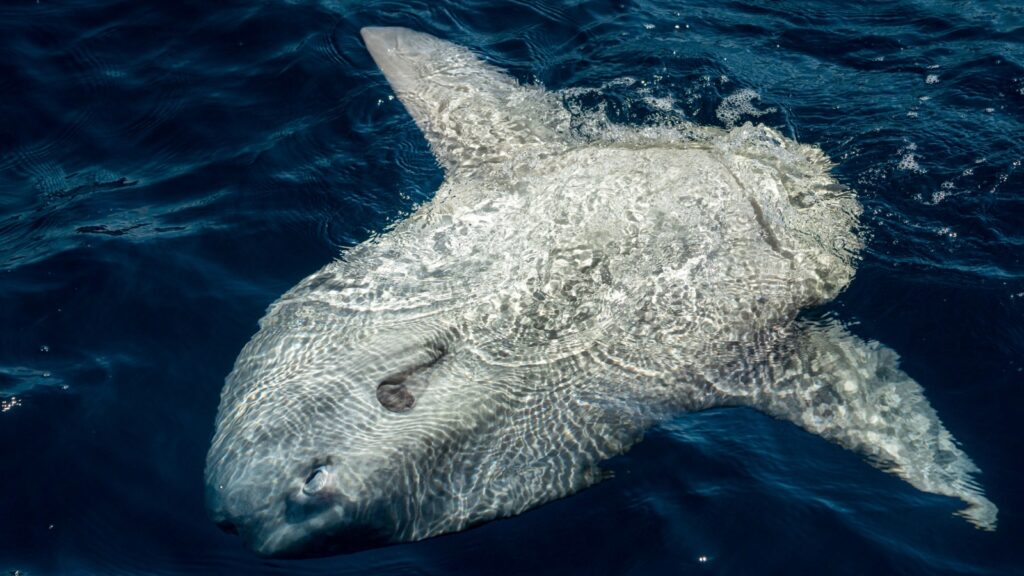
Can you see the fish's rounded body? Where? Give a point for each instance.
(560, 294)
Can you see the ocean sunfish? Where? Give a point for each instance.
(562, 293)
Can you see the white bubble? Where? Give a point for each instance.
(908, 161)
(739, 104)
(664, 103)
(8, 404)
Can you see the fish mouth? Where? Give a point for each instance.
(273, 533)
(293, 541)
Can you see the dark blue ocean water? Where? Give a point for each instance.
(168, 169)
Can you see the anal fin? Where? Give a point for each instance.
(852, 392)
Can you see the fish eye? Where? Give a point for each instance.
(315, 482)
(395, 396)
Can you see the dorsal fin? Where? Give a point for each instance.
(469, 111)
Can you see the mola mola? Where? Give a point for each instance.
(563, 292)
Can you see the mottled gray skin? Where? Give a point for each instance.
(560, 295)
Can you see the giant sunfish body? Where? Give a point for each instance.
(559, 295)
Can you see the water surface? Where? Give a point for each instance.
(169, 169)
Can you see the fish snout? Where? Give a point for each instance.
(307, 514)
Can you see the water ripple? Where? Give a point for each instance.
(168, 169)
